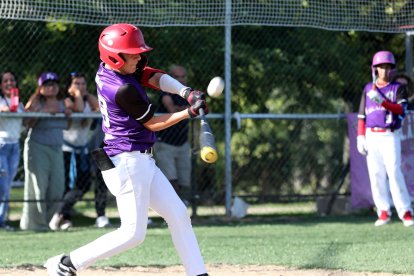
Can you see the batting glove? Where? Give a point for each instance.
(192, 96)
(362, 145)
(194, 110)
(375, 96)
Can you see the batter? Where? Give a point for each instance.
(126, 161)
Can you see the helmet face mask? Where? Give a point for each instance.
(120, 38)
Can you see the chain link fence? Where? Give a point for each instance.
(290, 89)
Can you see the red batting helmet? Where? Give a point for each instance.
(382, 57)
(120, 38)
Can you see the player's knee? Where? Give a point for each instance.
(178, 215)
(133, 234)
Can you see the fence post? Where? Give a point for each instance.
(227, 104)
(408, 54)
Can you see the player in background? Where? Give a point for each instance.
(172, 149)
(126, 161)
(382, 108)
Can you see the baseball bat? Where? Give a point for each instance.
(374, 80)
(208, 150)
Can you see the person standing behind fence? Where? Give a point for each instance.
(10, 130)
(43, 157)
(382, 108)
(406, 80)
(75, 151)
(172, 150)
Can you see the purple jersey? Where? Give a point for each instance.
(378, 116)
(123, 127)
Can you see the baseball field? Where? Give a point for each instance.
(274, 239)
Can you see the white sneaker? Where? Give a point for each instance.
(54, 223)
(102, 222)
(56, 268)
(66, 224)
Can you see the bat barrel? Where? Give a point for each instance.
(208, 150)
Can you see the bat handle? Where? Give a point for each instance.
(201, 111)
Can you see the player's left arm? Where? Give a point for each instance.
(148, 76)
(400, 107)
(160, 80)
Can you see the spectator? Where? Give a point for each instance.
(172, 149)
(382, 108)
(406, 80)
(43, 157)
(10, 130)
(75, 151)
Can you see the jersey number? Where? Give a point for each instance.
(104, 112)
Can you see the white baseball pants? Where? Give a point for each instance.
(384, 159)
(137, 183)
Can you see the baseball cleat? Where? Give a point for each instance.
(55, 267)
(408, 219)
(383, 219)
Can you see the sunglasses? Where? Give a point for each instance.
(76, 74)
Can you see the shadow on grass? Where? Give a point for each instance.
(299, 219)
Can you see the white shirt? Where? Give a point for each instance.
(79, 133)
(10, 128)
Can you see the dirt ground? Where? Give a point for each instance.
(214, 270)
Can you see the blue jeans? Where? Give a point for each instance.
(9, 161)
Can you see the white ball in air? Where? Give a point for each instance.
(215, 87)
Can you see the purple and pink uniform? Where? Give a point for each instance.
(378, 116)
(384, 147)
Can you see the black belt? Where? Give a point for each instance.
(147, 151)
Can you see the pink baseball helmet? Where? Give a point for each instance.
(382, 57)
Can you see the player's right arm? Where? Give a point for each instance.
(361, 142)
(361, 115)
(142, 111)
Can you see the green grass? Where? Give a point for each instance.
(291, 235)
